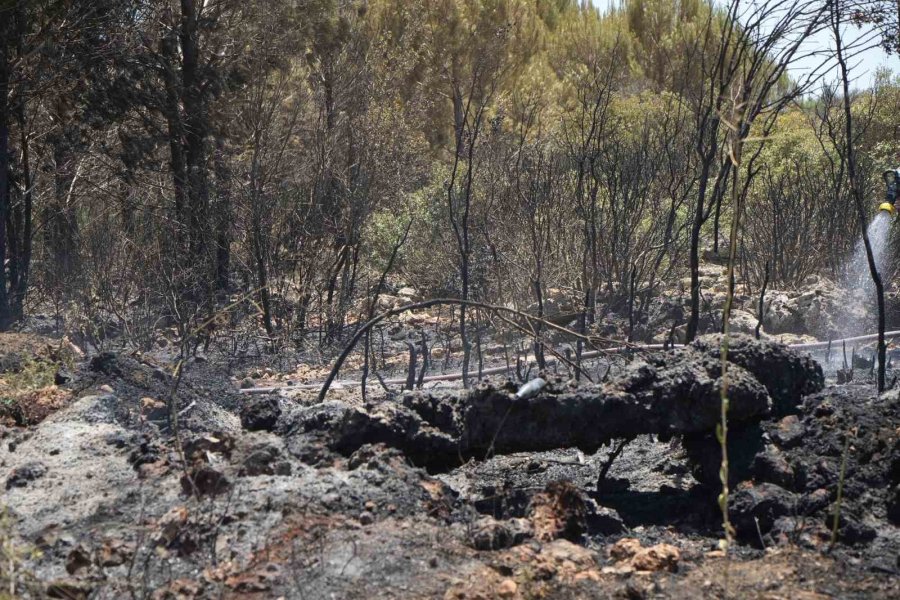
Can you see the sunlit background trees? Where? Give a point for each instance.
(161, 160)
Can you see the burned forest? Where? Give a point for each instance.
(456, 299)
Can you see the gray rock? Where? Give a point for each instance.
(487, 533)
(771, 466)
(789, 433)
(754, 509)
(265, 459)
(820, 308)
(104, 408)
(261, 413)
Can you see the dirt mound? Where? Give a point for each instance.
(786, 474)
(849, 429)
(787, 375)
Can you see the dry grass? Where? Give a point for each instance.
(27, 390)
(16, 580)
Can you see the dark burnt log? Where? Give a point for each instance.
(670, 393)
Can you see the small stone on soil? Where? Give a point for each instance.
(261, 414)
(265, 460)
(204, 481)
(79, 558)
(62, 376)
(490, 534)
(507, 589)
(790, 432)
(26, 473)
(68, 589)
(755, 508)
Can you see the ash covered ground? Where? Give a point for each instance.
(448, 494)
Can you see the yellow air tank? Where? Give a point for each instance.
(892, 183)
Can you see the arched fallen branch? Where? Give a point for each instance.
(457, 375)
(807, 346)
(345, 353)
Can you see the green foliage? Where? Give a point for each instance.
(428, 257)
(662, 31)
(328, 125)
(32, 374)
(385, 228)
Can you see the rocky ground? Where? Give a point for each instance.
(441, 493)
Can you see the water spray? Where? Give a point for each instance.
(892, 182)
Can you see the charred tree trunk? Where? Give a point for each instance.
(223, 216)
(589, 280)
(332, 324)
(463, 331)
(172, 109)
(262, 280)
(20, 234)
(459, 201)
(762, 302)
(23, 225)
(632, 292)
(538, 345)
(707, 200)
(62, 231)
(459, 120)
(5, 20)
(195, 132)
(716, 219)
(259, 248)
(693, 323)
(856, 190)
